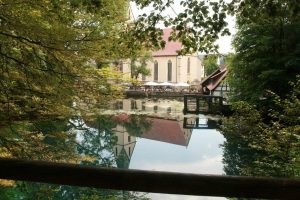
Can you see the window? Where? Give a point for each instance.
(169, 70)
(129, 138)
(155, 71)
(188, 65)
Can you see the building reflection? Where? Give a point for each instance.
(163, 130)
(169, 131)
(199, 123)
(159, 108)
(124, 146)
(166, 120)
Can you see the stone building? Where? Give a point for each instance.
(167, 66)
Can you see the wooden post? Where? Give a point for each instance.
(197, 104)
(209, 102)
(149, 181)
(185, 109)
(197, 122)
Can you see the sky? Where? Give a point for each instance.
(224, 42)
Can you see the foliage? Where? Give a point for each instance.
(97, 140)
(264, 146)
(198, 26)
(46, 54)
(267, 49)
(137, 125)
(267, 42)
(138, 65)
(88, 142)
(228, 59)
(27, 190)
(210, 64)
(43, 140)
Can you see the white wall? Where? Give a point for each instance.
(179, 69)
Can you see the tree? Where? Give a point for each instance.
(256, 147)
(267, 49)
(46, 49)
(210, 64)
(59, 141)
(197, 27)
(138, 65)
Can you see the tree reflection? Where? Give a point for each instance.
(136, 125)
(88, 142)
(96, 140)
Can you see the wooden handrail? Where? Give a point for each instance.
(149, 181)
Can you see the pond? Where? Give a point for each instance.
(137, 134)
(155, 135)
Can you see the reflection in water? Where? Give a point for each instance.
(160, 120)
(128, 127)
(199, 123)
(169, 131)
(131, 126)
(252, 149)
(149, 135)
(64, 141)
(159, 146)
(124, 147)
(116, 139)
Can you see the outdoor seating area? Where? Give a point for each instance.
(165, 87)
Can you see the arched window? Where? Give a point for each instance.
(169, 70)
(189, 65)
(155, 71)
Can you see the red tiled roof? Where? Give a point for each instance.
(166, 131)
(171, 46)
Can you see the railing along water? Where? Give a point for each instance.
(149, 181)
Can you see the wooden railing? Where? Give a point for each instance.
(149, 181)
